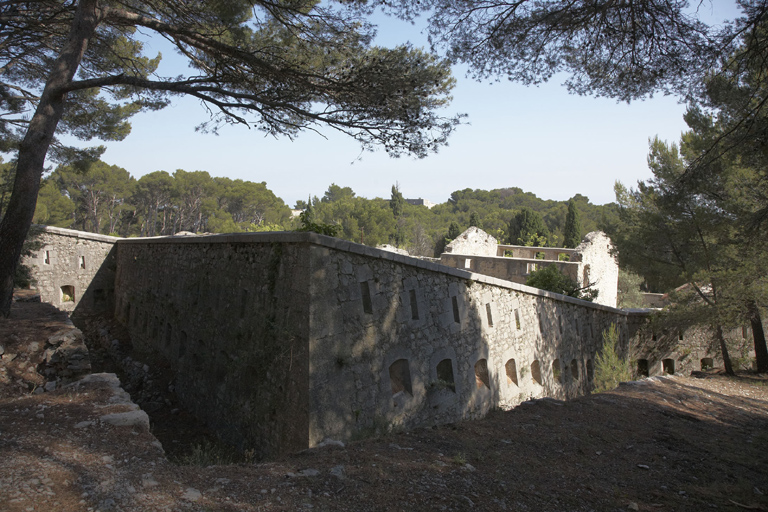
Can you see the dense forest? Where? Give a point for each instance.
(106, 199)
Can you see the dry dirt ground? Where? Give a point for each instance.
(681, 443)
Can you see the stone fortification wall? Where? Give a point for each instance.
(398, 342)
(545, 253)
(75, 269)
(279, 340)
(230, 315)
(660, 351)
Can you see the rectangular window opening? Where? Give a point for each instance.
(455, 302)
(47, 258)
(365, 291)
(445, 375)
(243, 302)
(642, 368)
(81, 262)
(489, 314)
(414, 305)
(517, 319)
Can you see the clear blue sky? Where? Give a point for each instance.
(540, 139)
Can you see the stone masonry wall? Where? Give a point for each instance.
(401, 343)
(229, 314)
(509, 269)
(280, 340)
(75, 269)
(473, 241)
(671, 351)
(598, 265)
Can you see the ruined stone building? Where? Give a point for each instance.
(591, 263)
(280, 340)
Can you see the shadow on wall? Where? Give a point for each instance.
(231, 320)
(397, 347)
(373, 369)
(99, 294)
(74, 270)
(672, 351)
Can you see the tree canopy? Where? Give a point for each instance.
(528, 228)
(105, 199)
(625, 50)
(79, 68)
(702, 220)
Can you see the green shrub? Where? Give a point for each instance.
(610, 367)
(551, 279)
(210, 453)
(307, 218)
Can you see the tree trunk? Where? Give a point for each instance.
(34, 148)
(761, 351)
(724, 349)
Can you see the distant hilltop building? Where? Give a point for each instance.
(421, 202)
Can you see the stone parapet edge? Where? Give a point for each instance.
(339, 245)
(521, 260)
(78, 234)
(354, 248)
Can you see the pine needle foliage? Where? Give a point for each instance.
(610, 367)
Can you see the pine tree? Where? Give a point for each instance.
(397, 202)
(572, 231)
(453, 231)
(527, 226)
(79, 68)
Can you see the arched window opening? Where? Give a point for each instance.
(536, 372)
(400, 377)
(481, 374)
(445, 375)
(511, 369)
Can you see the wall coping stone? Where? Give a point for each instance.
(78, 234)
(364, 250)
(507, 258)
(340, 245)
(539, 249)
